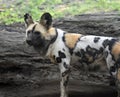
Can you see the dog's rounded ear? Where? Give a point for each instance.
(28, 19)
(46, 20)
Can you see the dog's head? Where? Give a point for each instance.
(39, 33)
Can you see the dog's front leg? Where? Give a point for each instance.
(64, 72)
(63, 85)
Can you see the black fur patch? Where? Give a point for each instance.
(61, 54)
(112, 69)
(83, 57)
(26, 16)
(78, 54)
(105, 43)
(63, 38)
(91, 51)
(63, 49)
(54, 57)
(106, 54)
(96, 39)
(111, 43)
(59, 60)
(65, 65)
(100, 50)
(71, 51)
(36, 32)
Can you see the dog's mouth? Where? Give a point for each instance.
(35, 45)
(35, 42)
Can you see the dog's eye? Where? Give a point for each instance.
(36, 33)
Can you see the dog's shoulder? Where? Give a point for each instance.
(71, 39)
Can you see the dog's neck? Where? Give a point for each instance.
(52, 39)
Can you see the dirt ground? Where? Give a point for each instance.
(31, 80)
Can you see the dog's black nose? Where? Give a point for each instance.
(29, 42)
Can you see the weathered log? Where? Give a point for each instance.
(98, 24)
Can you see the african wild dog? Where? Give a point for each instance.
(62, 47)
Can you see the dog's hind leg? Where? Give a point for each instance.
(113, 73)
(112, 69)
(114, 81)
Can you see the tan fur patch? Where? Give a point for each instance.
(50, 33)
(38, 27)
(116, 50)
(52, 58)
(71, 39)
